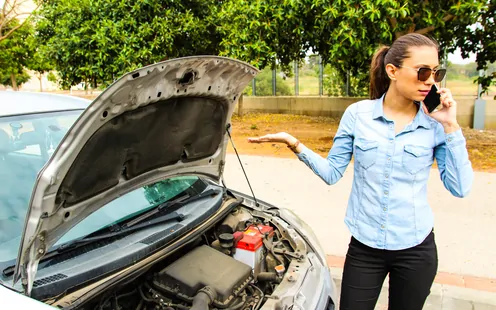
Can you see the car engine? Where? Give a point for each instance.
(235, 265)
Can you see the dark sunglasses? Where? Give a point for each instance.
(423, 74)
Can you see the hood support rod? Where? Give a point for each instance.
(228, 127)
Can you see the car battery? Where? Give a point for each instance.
(249, 248)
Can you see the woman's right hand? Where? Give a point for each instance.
(280, 137)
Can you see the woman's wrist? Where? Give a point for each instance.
(293, 144)
(450, 127)
(290, 140)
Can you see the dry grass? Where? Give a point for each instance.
(467, 88)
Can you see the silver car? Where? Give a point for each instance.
(119, 203)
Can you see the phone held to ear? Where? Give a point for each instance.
(433, 99)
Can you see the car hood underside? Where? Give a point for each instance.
(170, 118)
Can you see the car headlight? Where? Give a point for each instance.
(306, 233)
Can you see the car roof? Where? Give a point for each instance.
(18, 102)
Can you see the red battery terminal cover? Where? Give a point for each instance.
(252, 237)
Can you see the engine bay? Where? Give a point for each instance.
(236, 264)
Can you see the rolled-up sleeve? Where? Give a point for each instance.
(331, 169)
(453, 162)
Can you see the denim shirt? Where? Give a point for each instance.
(387, 207)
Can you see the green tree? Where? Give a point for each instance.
(481, 40)
(349, 31)
(40, 61)
(16, 82)
(16, 54)
(265, 33)
(98, 41)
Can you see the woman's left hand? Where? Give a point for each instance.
(446, 115)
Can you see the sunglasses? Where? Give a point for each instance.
(423, 74)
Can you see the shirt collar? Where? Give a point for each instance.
(420, 120)
(379, 109)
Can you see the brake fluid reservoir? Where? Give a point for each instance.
(249, 249)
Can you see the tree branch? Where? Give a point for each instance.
(393, 22)
(2, 37)
(8, 17)
(4, 8)
(430, 28)
(11, 9)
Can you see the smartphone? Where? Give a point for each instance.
(433, 99)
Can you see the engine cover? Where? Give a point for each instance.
(204, 266)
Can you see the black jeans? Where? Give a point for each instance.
(411, 273)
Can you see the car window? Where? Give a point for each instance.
(26, 143)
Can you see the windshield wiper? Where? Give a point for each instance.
(76, 243)
(168, 205)
(141, 221)
(133, 225)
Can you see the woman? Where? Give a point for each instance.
(394, 142)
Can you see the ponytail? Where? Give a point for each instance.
(379, 80)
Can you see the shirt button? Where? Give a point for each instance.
(389, 158)
(382, 226)
(387, 175)
(385, 209)
(449, 139)
(386, 193)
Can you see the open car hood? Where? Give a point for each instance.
(166, 119)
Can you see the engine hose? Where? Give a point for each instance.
(268, 277)
(204, 298)
(239, 305)
(270, 247)
(143, 295)
(261, 297)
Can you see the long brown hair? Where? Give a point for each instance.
(395, 54)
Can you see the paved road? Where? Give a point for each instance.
(442, 298)
(465, 228)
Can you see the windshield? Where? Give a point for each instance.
(135, 202)
(26, 143)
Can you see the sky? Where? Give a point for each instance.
(457, 58)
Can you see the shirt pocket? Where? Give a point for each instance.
(417, 158)
(366, 152)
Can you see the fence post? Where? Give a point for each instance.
(445, 65)
(321, 77)
(254, 87)
(274, 81)
(296, 72)
(479, 107)
(348, 83)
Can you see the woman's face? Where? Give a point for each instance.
(407, 82)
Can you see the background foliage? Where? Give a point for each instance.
(96, 41)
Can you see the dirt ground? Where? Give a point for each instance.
(317, 133)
